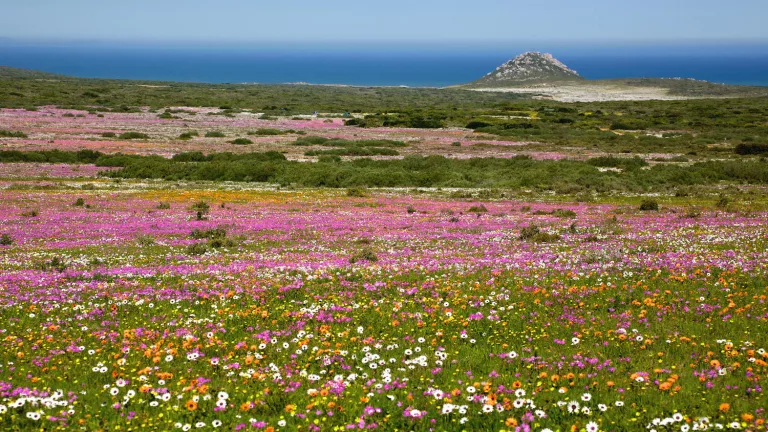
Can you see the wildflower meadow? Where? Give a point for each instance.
(139, 307)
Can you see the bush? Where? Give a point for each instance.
(197, 249)
(545, 238)
(133, 135)
(201, 208)
(241, 141)
(12, 134)
(529, 232)
(365, 254)
(357, 192)
(79, 202)
(109, 135)
(188, 135)
(163, 206)
(649, 205)
(145, 240)
(209, 234)
(267, 132)
(562, 213)
(478, 209)
(6, 240)
(30, 213)
(410, 210)
(214, 134)
(751, 149)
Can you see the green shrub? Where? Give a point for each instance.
(214, 134)
(478, 209)
(751, 149)
(163, 206)
(197, 249)
(133, 135)
(209, 234)
(529, 232)
(365, 254)
(562, 213)
(6, 240)
(79, 202)
(545, 238)
(267, 132)
(649, 205)
(357, 192)
(241, 141)
(188, 135)
(12, 134)
(145, 240)
(109, 135)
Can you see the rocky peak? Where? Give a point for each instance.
(530, 67)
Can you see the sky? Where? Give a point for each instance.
(403, 21)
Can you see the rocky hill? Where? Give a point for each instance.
(528, 68)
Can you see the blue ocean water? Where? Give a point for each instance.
(385, 67)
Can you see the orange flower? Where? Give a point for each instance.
(191, 405)
(511, 422)
(724, 407)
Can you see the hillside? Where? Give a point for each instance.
(7, 72)
(529, 68)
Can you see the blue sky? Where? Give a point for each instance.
(425, 21)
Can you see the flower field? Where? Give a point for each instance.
(176, 307)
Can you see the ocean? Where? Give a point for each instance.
(376, 66)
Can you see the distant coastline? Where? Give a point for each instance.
(386, 68)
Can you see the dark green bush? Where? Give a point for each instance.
(12, 134)
(241, 141)
(365, 254)
(6, 240)
(214, 134)
(197, 249)
(133, 135)
(751, 149)
(529, 232)
(649, 205)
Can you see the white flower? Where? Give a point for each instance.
(216, 423)
(168, 358)
(281, 423)
(200, 425)
(471, 390)
(519, 393)
(487, 408)
(575, 341)
(619, 403)
(222, 395)
(33, 416)
(592, 427)
(586, 397)
(573, 407)
(602, 407)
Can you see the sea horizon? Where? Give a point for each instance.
(381, 64)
